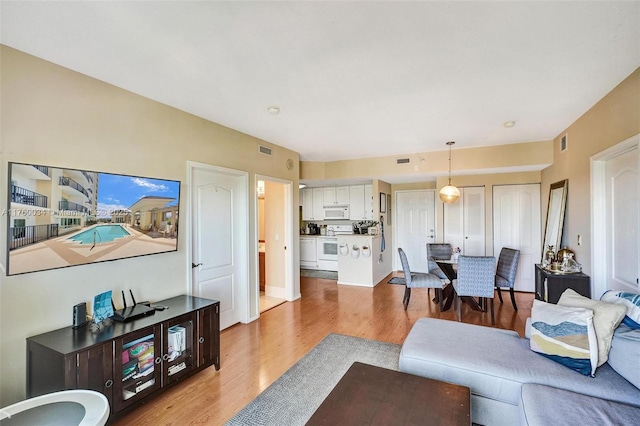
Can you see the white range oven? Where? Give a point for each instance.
(328, 246)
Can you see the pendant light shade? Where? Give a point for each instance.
(449, 194)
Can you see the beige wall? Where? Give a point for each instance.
(615, 118)
(490, 159)
(57, 117)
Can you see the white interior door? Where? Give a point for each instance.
(516, 224)
(415, 226)
(464, 222)
(622, 234)
(219, 250)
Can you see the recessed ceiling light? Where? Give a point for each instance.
(273, 110)
(509, 123)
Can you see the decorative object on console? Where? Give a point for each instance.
(68, 209)
(565, 335)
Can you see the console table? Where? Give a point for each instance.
(130, 362)
(550, 286)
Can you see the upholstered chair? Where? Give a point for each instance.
(438, 251)
(506, 272)
(418, 280)
(476, 278)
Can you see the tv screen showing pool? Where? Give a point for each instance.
(65, 217)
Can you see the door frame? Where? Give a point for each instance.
(289, 289)
(240, 233)
(599, 210)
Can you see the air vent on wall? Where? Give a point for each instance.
(563, 143)
(403, 160)
(264, 150)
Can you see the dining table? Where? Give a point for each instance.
(448, 267)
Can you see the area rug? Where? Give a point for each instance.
(396, 280)
(327, 275)
(294, 397)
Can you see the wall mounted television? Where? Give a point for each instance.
(59, 217)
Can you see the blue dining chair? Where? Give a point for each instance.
(418, 280)
(476, 278)
(438, 251)
(506, 272)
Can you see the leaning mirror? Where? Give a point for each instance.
(555, 216)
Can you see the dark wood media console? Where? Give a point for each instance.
(128, 362)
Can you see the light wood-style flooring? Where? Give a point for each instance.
(254, 355)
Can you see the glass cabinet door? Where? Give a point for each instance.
(178, 348)
(137, 369)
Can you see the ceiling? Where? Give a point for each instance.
(351, 79)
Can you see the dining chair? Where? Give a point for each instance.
(418, 280)
(476, 278)
(438, 251)
(506, 272)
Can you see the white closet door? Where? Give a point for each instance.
(622, 236)
(415, 226)
(516, 224)
(473, 214)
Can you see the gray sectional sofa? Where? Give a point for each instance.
(510, 384)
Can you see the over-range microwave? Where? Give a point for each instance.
(336, 212)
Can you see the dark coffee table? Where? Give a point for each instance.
(369, 395)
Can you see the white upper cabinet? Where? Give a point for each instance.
(312, 203)
(336, 195)
(360, 202)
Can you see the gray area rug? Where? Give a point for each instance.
(397, 280)
(294, 397)
(328, 275)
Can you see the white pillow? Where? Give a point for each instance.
(630, 300)
(606, 317)
(565, 335)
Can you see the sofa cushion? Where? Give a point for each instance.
(565, 335)
(631, 301)
(624, 356)
(494, 363)
(543, 405)
(606, 317)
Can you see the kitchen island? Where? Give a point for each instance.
(360, 260)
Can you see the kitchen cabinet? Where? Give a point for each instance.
(361, 202)
(261, 270)
(128, 362)
(464, 225)
(312, 203)
(308, 253)
(336, 195)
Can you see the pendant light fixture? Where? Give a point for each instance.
(449, 194)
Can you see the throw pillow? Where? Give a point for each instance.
(606, 317)
(565, 335)
(630, 300)
(624, 357)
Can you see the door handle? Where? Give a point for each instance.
(193, 265)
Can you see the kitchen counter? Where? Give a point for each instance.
(360, 261)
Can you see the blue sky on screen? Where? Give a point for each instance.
(117, 192)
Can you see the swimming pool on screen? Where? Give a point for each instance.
(100, 234)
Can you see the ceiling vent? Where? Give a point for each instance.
(403, 160)
(264, 150)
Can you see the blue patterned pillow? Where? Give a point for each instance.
(565, 335)
(630, 300)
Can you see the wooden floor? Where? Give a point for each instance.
(254, 355)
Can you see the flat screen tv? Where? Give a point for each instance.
(67, 217)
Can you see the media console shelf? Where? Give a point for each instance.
(128, 362)
(550, 286)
